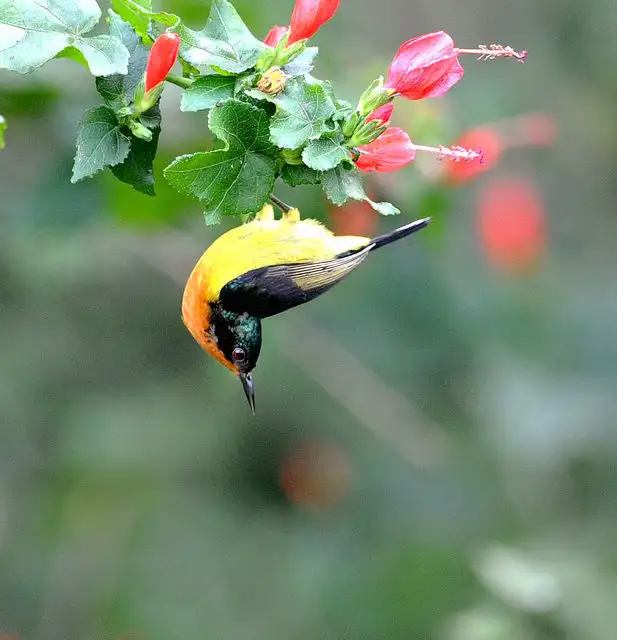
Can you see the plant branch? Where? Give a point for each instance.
(280, 204)
(180, 81)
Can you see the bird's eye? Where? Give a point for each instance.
(238, 355)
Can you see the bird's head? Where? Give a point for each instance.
(234, 339)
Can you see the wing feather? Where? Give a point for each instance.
(269, 290)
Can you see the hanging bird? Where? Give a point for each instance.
(260, 269)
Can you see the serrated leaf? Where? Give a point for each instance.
(206, 92)
(225, 41)
(301, 113)
(38, 30)
(238, 178)
(339, 185)
(297, 174)
(324, 154)
(100, 143)
(302, 64)
(119, 90)
(105, 55)
(136, 169)
(2, 130)
(139, 14)
(136, 13)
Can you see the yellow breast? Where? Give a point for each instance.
(266, 242)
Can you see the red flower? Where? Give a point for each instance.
(489, 141)
(425, 67)
(390, 152)
(383, 113)
(511, 224)
(274, 35)
(355, 218)
(308, 16)
(163, 55)
(315, 474)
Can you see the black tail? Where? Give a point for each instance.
(399, 233)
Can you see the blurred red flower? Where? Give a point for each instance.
(488, 141)
(511, 224)
(315, 474)
(354, 218)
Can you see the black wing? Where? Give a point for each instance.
(267, 291)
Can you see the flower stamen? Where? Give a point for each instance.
(493, 51)
(455, 153)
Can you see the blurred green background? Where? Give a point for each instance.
(434, 451)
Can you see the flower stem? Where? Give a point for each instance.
(185, 83)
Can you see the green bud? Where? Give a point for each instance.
(366, 133)
(349, 126)
(144, 101)
(290, 53)
(375, 96)
(266, 60)
(139, 131)
(369, 135)
(292, 156)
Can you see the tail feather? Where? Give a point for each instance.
(399, 233)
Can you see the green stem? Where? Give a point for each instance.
(185, 83)
(279, 203)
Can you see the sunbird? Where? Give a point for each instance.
(262, 268)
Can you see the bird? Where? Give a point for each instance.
(262, 268)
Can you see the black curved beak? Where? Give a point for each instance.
(247, 384)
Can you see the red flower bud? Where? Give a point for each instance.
(274, 35)
(383, 113)
(511, 224)
(163, 55)
(308, 16)
(489, 141)
(425, 67)
(390, 152)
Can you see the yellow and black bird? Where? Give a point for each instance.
(260, 269)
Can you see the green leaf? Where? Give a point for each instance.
(2, 130)
(136, 169)
(225, 41)
(206, 92)
(139, 14)
(213, 217)
(100, 143)
(119, 90)
(33, 32)
(324, 154)
(136, 13)
(302, 64)
(297, 174)
(340, 184)
(301, 113)
(238, 178)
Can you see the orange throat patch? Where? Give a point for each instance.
(196, 316)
